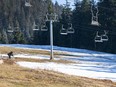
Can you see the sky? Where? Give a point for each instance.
(63, 2)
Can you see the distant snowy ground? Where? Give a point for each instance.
(88, 63)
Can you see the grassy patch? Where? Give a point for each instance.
(5, 50)
(12, 75)
(44, 60)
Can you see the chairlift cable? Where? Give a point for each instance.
(91, 29)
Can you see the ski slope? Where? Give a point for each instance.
(88, 63)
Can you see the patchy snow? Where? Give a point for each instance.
(32, 56)
(92, 71)
(91, 64)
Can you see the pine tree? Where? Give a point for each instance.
(65, 21)
(81, 22)
(106, 13)
(12, 11)
(18, 38)
(108, 20)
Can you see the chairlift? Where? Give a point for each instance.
(63, 31)
(70, 29)
(44, 28)
(105, 37)
(27, 4)
(10, 30)
(98, 38)
(94, 20)
(35, 27)
(46, 17)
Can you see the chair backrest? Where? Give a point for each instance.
(98, 38)
(94, 19)
(70, 29)
(27, 3)
(44, 28)
(63, 31)
(105, 36)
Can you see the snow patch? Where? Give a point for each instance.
(71, 69)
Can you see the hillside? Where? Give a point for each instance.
(13, 75)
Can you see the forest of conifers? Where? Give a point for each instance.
(16, 16)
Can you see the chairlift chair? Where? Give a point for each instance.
(63, 31)
(35, 27)
(44, 28)
(95, 23)
(94, 20)
(98, 38)
(105, 37)
(10, 30)
(70, 29)
(46, 17)
(27, 3)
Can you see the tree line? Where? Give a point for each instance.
(17, 19)
(85, 32)
(22, 18)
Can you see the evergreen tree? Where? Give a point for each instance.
(15, 11)
(18, 38)
(65, 21)
(81, 22)
(108, 20)
(107, 13)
